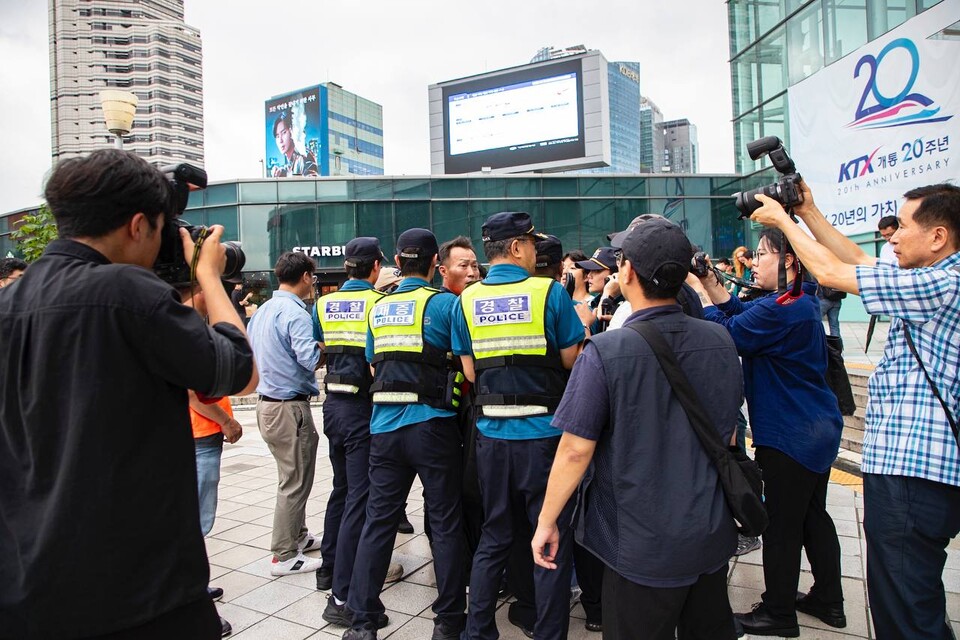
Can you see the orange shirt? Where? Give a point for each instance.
(203, 426)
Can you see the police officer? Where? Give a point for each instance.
(340, 325)
(413, 432)
(518, 337)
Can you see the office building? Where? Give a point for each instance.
(651, 137)
(681, 150)
(623, 83)
(140, 46)
(774, 45)
(323, 130)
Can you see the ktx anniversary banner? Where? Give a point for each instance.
(880, 121)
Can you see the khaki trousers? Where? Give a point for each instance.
(288, 429)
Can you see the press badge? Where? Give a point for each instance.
(345, 310)
(513, 309)
(393, 314)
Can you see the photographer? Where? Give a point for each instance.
(97, 461)
(911, 462)
(796, 426)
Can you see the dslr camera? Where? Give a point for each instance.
(171, 264)
(786, 190)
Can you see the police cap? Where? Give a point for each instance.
(417, 243)
(362, 251)
(506, 225)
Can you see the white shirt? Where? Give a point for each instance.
(887, 255)
(620, 316)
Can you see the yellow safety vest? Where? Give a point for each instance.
(518, 373)
(344, 317)
(407, 369)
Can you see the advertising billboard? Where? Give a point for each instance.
(526, 118)
(295, 133)
(879, 122)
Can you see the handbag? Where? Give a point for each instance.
(837, 378)
(936, 392)
(740, 477)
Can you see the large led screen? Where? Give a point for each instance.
(294, 131)
(529, 116)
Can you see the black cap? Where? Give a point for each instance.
(506, 224)
(603, 258)
(417, 243)
(616, 239)
(659, 251)
(361, 251)
(549, 251)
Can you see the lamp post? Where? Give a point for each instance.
(118, 110)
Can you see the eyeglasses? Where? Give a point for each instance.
(759, 254)
(618, 256)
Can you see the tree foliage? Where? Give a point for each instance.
(34, 232)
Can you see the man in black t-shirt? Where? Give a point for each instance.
(98, 495)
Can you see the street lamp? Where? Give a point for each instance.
(118, 110)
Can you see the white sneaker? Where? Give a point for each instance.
(309, 543)
(394, 573)
(297, 564)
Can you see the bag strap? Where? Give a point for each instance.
(936, 392)
(712, 442)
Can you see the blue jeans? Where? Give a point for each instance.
(831, 309)
(908, 523)
(208, 451)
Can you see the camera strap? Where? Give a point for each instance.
(796, 291)
(196, 253)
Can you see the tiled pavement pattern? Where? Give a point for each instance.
(288, 608)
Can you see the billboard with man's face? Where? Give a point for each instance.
(295, 133)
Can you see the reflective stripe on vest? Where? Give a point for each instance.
(507, 319)
(344, 316)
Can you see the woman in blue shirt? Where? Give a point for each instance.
(796, 425)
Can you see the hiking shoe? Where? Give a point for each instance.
(340, 615)
(297, 564)
(745, 545)
(394, 573)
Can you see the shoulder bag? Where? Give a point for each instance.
(740, 476)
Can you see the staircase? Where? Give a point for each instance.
(851, 440)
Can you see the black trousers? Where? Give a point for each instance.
(908, 523)
(590, 570)
(346, 424)
(700, 611)
(432, 450)
(513, 478)
(796, 500)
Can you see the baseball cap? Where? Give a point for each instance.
(602, 258)
(616, 239)
(549, 251)
(507, 224)
(362, 250)
(417, 243)
(659, 251)
(387, 279)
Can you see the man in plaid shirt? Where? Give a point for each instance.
(911, 460)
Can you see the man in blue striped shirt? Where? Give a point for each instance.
(911, 459)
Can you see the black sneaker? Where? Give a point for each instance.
(359, 634)
(324, 578)
(340, 615)
(828, 614)
(745, 545)
(760, 622)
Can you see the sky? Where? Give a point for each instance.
(388, 51)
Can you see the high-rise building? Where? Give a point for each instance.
(681, 149)
(623, 82)
(651, 137)
(774, 45)
(323, 130)
(141, 46)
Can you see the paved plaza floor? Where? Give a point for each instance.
(288, 608)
